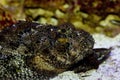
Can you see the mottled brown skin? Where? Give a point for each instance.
(50, 50)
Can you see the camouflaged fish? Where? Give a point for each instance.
(33, 51)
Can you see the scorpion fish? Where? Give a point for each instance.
(34, 51)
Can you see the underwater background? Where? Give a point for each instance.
(101, 18)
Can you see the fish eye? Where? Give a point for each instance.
(63, 30)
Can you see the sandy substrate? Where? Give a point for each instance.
(108, 70)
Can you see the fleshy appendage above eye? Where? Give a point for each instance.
(66, 27)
